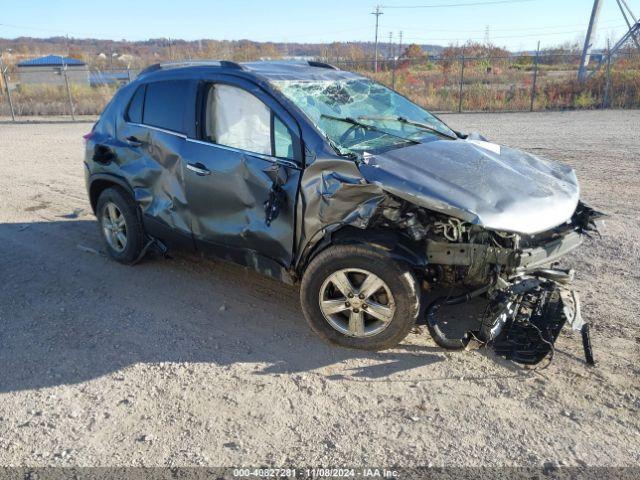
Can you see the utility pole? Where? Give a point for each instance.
(66, 82)
(392, 60)
(5, 80)
(461, 81)
(588, 41)
(535, 77)
(377, 13)
(607, 83)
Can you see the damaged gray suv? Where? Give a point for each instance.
(310, 174)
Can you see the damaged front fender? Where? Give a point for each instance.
(333, 194)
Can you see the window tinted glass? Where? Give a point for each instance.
(134, 113)
(282, 141)
(165, 104)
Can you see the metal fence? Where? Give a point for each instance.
(441, 84)
(507, 83)
(58, 91)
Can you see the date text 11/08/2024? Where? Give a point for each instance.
(316, 472)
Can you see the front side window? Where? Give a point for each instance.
(236, 118)
(358, 115)
(165, 104)
(282, 142)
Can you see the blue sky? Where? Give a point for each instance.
(517, 25)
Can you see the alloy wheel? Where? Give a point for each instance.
(114, 227)
(356, 302)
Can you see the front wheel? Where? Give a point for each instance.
(356, 296)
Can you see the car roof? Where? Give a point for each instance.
(267, 70)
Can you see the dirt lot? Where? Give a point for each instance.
(195, 362)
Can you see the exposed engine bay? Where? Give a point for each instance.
(526, 293)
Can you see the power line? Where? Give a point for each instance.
(47, 30)
(548, 27)
(353, 29)
(448, 5)
(497, 37)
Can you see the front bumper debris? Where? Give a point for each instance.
(473, 255)
(527, 304)
(549, 252)
(522, 320)
(529, 334)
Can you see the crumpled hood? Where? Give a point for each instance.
(483, 183)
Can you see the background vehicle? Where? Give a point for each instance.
(307, 173)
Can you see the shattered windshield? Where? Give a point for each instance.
(360, 115)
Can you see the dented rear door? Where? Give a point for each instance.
(152, 140)
(241, 187)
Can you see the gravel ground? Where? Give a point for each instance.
(195, 362)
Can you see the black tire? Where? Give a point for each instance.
(133, 225)
(397, 276)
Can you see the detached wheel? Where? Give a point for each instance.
(358, 297)
(120, 226)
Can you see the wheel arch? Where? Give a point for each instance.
(99, 182)
(397, 246)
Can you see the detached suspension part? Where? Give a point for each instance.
(586, 344)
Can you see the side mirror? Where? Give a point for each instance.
(460, 134)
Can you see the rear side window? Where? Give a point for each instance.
(134, 112)
(165, 104)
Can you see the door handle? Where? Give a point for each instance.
(199, 169)
(134, 141)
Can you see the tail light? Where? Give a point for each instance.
(87, 136)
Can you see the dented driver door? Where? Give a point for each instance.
(242, 175)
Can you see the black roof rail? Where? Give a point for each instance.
(202, 63)
(150, 68)
(313, 63)
(192, 63)
(230, 64)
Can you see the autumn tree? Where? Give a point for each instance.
(413, 51)
(484, 56)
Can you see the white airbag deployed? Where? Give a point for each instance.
(241, 120)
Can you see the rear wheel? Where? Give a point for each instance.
(120, 226)
(358, 297)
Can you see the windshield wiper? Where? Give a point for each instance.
(424, 126)
(366, 126)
